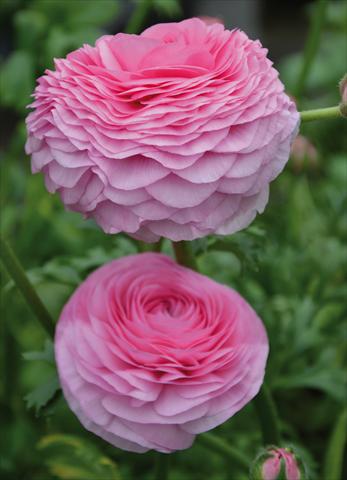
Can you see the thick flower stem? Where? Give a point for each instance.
(268, 417)
(321, 114)
(217, 444)
(158, 246)
(184, 254)
(311, 46)
(20, 278)
(162, 467)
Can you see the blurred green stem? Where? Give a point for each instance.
(217, 444)
(150, 247)
(158, 245)
(20, 278)
(139, 15)
(184, 254)
(311, 47)
(333, 465)
(321, 114)
(162, 466)
(268, 417)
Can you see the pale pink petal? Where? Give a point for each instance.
(176, 192)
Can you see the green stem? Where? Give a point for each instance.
(268, 417)
(184, 254)
(333, 464)
(158, 246)
(144, 247)
(20, 278)
(162, 467)
(311, 46)
(321, 114)
(9, 354)
(139, 16)
(150, 247)
(219, 445)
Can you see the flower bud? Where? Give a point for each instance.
(211, 20)
(278, 464)
(343, 91)
(303, 154)
(343, 88)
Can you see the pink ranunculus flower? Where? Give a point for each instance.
(176, 132)
(150, 353)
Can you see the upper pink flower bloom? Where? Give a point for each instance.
(176, 132)
(150, 353)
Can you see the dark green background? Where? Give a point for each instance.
(290, 264)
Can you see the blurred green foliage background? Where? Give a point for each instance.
(290, 265)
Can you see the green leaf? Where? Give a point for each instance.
(46, 355)
(337, 15)
(330, 381)
(69, 457)
(305, 223)
(78, 13)
(60, 42)
(220, 265)
(45, 392)
(171, 8)
(17, 74)
(62, 273)
(329, 315)
(93, 13)
(34, 276)
(30, 29)
(327, 67)
(246, 245)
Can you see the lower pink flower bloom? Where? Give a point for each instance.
(150, 353)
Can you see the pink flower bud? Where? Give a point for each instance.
(210, 20)
(278, 463)
(343, 91)
(343, 88)
(303, 153)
